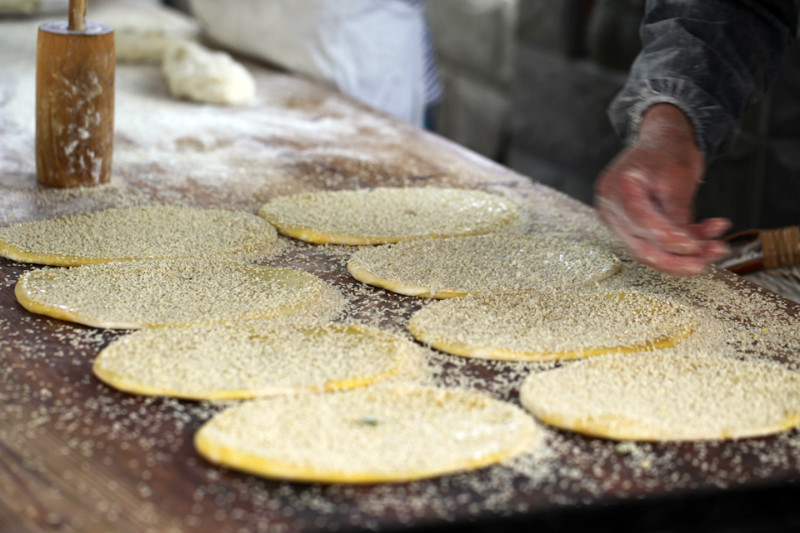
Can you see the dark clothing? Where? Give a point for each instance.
(710, 58)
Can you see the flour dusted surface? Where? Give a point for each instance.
(301, 140)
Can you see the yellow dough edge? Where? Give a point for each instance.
(22, 292)
(504, 354)
(260, 466)
(15, 253)
(327, 237)
(125, 384)
(363, 274)
(330, 237)
(615, 427)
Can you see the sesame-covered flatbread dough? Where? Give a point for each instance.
(151, 232)
(170, 292)
(386, 215)
(552, 325)
(662, 396)
(369, 435)
(251, 359)
(495, 263)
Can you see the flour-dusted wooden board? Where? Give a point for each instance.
(78, 456)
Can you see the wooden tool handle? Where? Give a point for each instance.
(77, 15)
(781, 247)
(74, 104)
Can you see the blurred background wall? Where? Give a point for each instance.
(527, 83)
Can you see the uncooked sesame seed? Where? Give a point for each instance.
(134, 294)
(384, 215)
(547, 325)
(151, 232)
(444, 268)
(662, 396)
(394, 433)
(254, 358)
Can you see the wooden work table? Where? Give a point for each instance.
(76, 455)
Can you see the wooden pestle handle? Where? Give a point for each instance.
(781, 247)
(74, 101)
(77, 15)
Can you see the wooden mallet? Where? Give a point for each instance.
(74, 101)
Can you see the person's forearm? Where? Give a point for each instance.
(710, 58)
(665, 126)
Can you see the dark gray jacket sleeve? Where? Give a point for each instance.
(710, 58)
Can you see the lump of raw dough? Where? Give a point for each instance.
(143, 30)
(197, 73)
(138, 45)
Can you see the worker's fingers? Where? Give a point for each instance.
(639, 204)
(716, 250)
(711, 228)
(676, 264)
(653, 255)
(709, 231)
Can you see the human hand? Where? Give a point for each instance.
(646, 196)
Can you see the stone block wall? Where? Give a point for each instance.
(518, 88)
(475, 45)
(560, 134)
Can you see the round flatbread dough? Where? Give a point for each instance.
(546, 326)
(445, 268)
(369, 435)
(251, 359)
(152, 232)
(136, 294)
(664, 397)
(386, 215)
